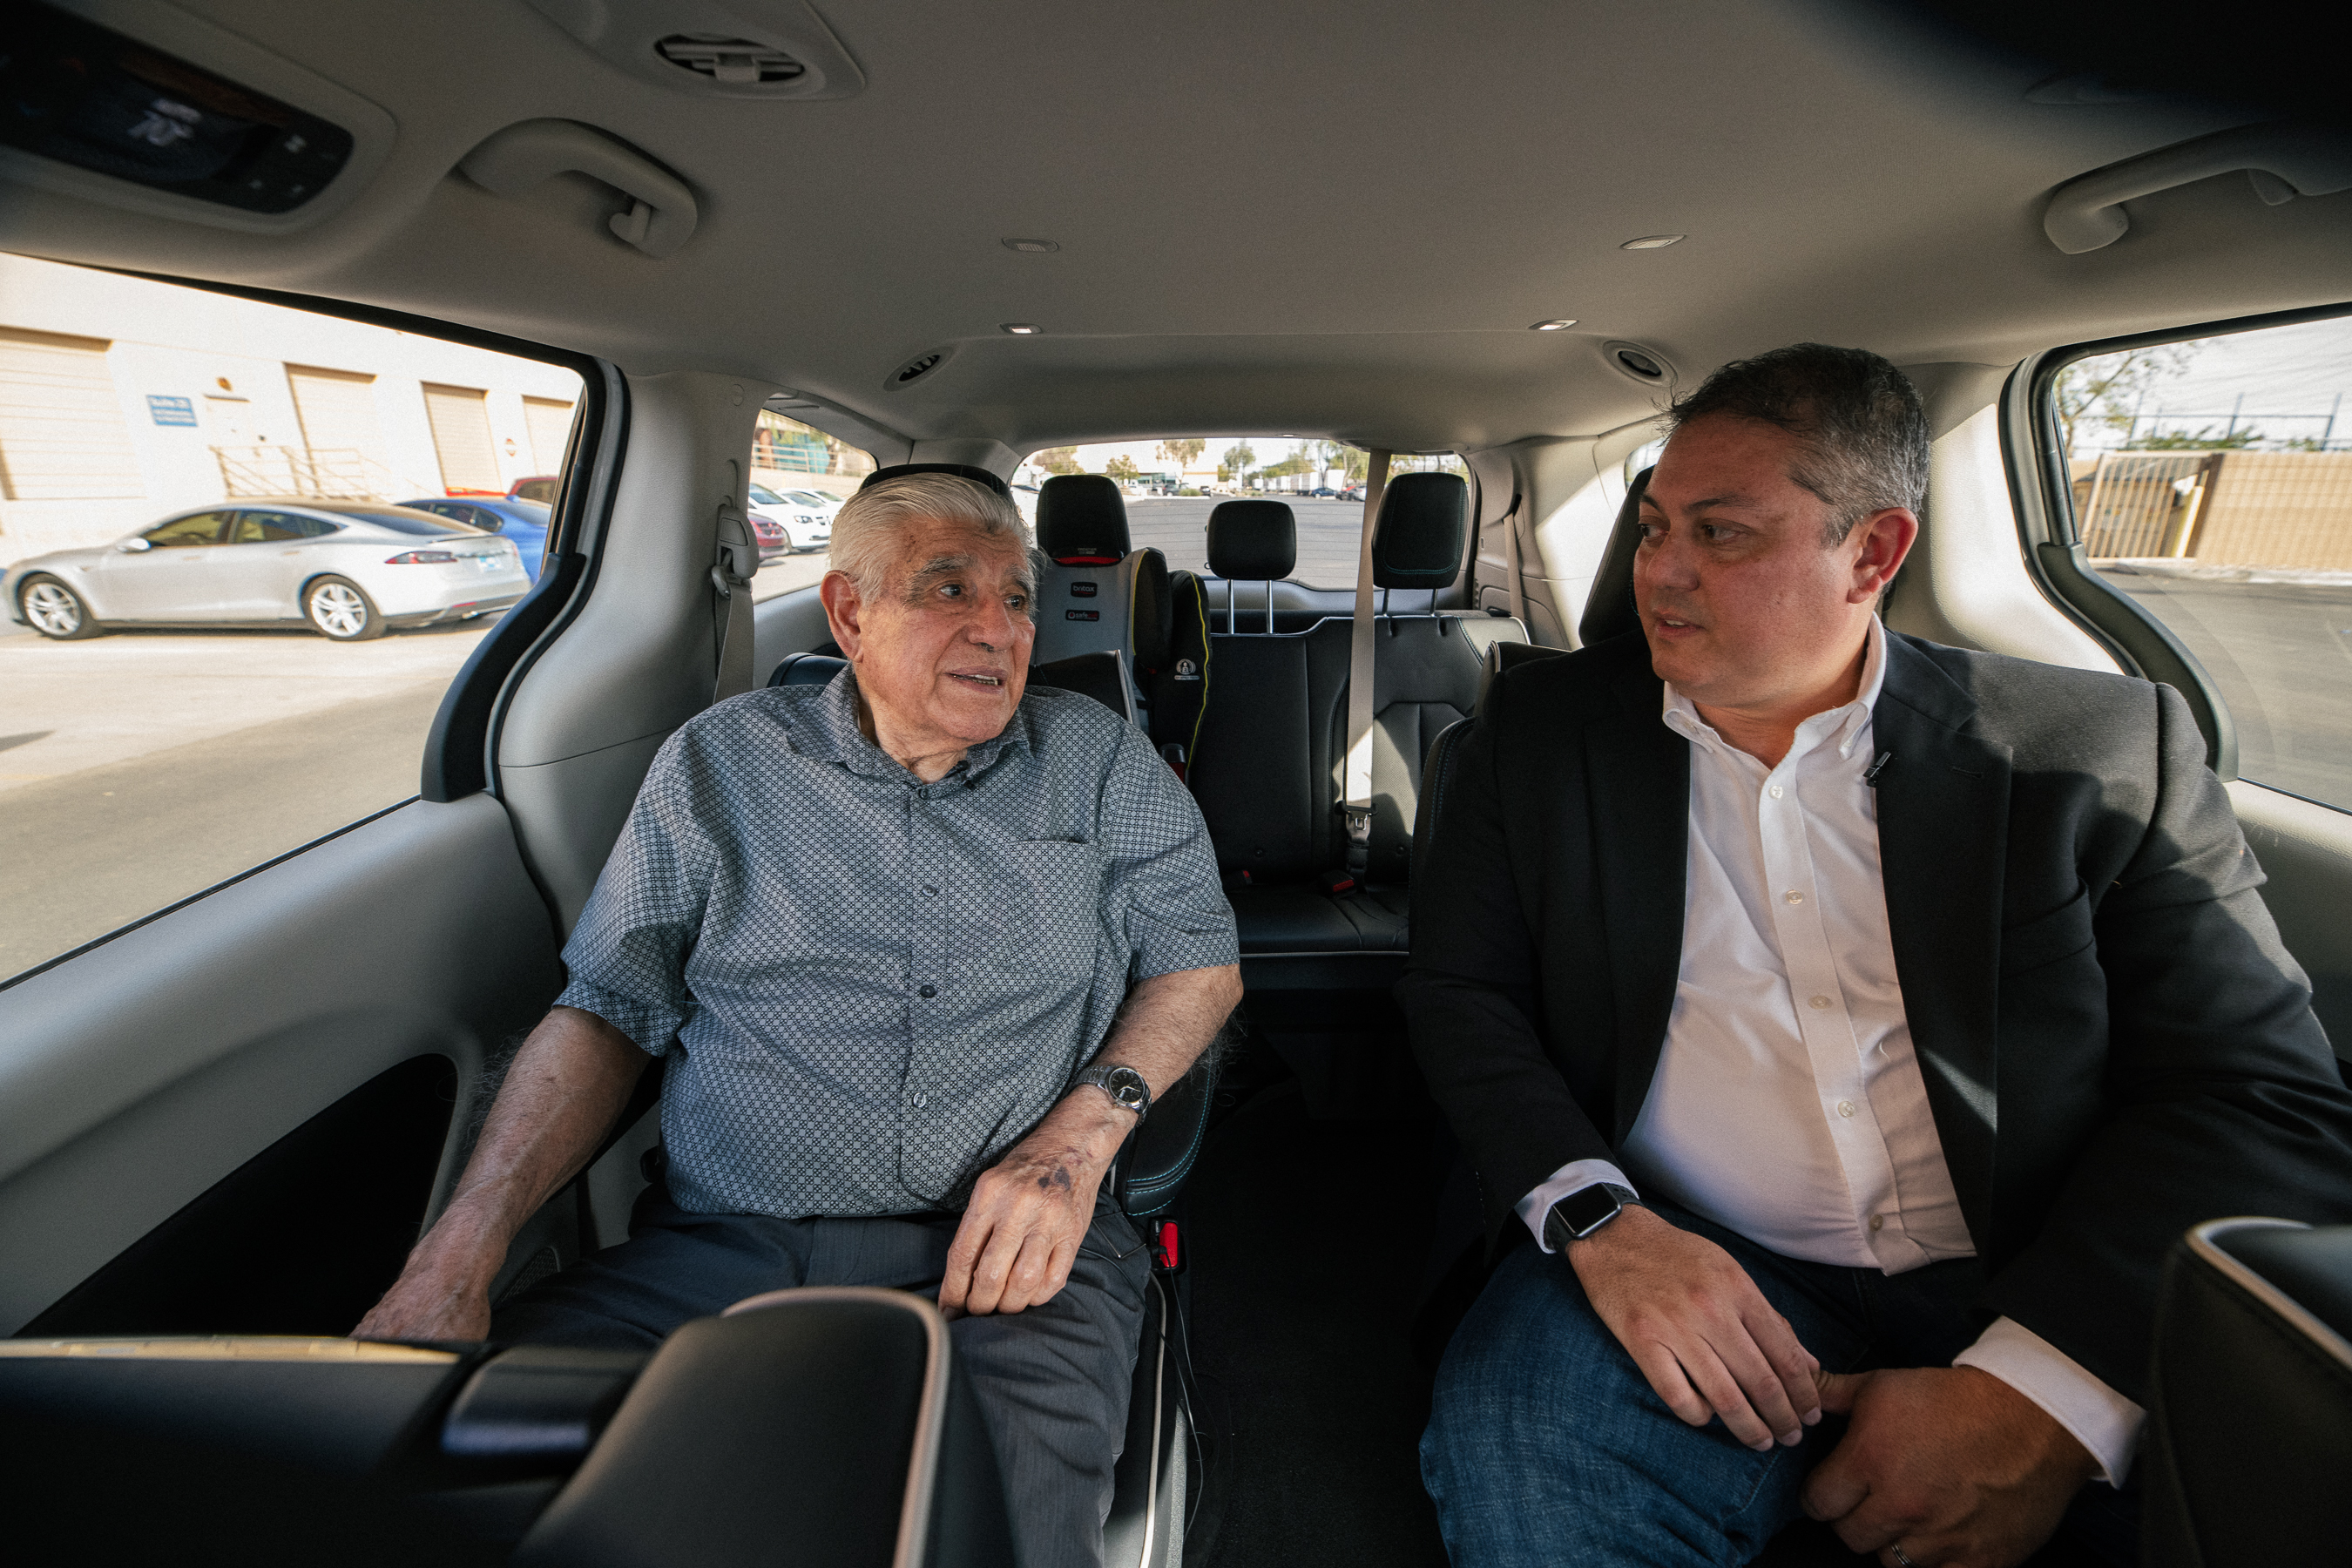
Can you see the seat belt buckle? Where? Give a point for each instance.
(1358, 821)
(1167, 1248)
(1172, 754)
(1334, 883)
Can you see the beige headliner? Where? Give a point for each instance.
(1333, 219)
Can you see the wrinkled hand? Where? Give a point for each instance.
(1950, 1463)
(1698, 1328)
(444, 1294)
(1028, 1214)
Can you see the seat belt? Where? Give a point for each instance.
(1516, 589)
(1357, 811)
(730, 609)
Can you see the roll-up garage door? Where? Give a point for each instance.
(337, 408)
(461, 435)
(549, 423)
(62, 432)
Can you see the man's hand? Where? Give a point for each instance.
(1950, 1463)
(444, 1294)
(1031, 1210)
(1698, 1328)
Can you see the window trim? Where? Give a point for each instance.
(2050, 537)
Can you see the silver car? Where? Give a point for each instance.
(351, 569)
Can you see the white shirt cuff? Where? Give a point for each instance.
(1575, 1175)
(2102, 1420)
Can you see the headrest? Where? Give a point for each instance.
(806, 670)
(1082, 520)
(1608, 608)
(1417, 541)
(1252, 539)
(961, 471)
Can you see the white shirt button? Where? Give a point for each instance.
(1845, 1108)
(1818, 1002)
(921, 1101)
(1774, 792)
(1878, 1222)
(1794, 898)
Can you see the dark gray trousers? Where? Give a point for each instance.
(1052, 1381)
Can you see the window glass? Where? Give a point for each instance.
(2211, 482)
(798, 474)
(203, 527)
(141, 690)
(406, 520)
(1173, 485)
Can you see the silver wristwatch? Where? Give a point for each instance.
(1125, 1086)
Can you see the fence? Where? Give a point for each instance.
(2233, 508)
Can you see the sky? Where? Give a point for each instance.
(2290, 379)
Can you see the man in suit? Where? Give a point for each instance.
(1851, 1023)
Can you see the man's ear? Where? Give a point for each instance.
(1880, 542)
(842, 612)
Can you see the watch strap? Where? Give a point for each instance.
(1559, 1232)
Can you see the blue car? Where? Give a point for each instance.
(523, 521)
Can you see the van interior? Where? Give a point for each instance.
(1477, 247)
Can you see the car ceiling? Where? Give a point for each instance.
(1322, 219)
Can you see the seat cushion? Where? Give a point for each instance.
(1304, 919)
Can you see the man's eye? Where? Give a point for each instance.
(1018, 601)
(951, 590)
(1650, 532)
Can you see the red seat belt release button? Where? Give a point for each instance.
(1166, 1249)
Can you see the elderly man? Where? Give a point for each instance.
(1851, 1023)
(918, 946)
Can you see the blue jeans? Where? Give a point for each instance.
(1546, 1444)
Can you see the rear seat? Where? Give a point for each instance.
(1268, 769)
(1096, 595)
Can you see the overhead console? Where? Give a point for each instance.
(182, 121)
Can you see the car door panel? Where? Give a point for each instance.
(166, 581)
(141, 1074)
(258, 572)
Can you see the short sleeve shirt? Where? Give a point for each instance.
(869, 987)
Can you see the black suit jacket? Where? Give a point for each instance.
(2115, 1044)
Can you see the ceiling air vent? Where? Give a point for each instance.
(1637, 363)
(738, 62)
(915, 369)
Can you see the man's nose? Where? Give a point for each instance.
(1668, 562)
(996, 626)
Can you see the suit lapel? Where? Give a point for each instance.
(1943, 829)
(1639, 775)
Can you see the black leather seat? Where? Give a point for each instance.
(2250, 1409)
(1268, 769)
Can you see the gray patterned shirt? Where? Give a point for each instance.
(869, 987)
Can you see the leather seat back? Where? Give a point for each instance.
(2250, 1403)
(1096, 593)
(1609, 609)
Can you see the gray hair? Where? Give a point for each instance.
(1866, 441)
(868, 530)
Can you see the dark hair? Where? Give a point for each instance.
(1864, 433)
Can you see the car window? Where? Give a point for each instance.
(1173, 484)
(2210, 483)
(203, 527)
(797, 471)
(177, 411)
(539, 491)
(762, 496)
(272, 528)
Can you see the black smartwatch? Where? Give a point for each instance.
(1584, 1211)
(1127, 1087)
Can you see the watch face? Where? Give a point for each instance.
(1586, 1208)
(1128, 1087)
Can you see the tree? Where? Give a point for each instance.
(1123, 467)
(1058, 459)
(1238, 459)
(1181, 453)
(2108, 388)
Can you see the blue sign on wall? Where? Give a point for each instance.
(171, 410)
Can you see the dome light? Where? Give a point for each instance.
(1556, 324)
(1653, 242)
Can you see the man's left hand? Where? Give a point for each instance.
(1950, 1464)
(1031, 1210)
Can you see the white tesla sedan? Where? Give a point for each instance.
(806, 516)
(352, 570)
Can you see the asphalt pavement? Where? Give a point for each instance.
(1178, 527)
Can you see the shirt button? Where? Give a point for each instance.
(1878, 1222)
(1845, 1108)
(923, 1099)
(1774, 792)
(1818, 1002)
(928, 991)
(1794, 898)
(930, 892)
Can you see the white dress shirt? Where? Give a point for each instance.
(1788, 1104)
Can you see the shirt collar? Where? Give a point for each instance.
(835, 736)
(1843, 725)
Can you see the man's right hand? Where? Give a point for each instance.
(1698, 1328)
(444, 1294)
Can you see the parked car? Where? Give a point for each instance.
(352, 570)
(1324, 492)
(540, 488)
(523, 521)
(787, 526)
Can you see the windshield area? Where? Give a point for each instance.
(1173, 485)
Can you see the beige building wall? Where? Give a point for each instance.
(2277, 508)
